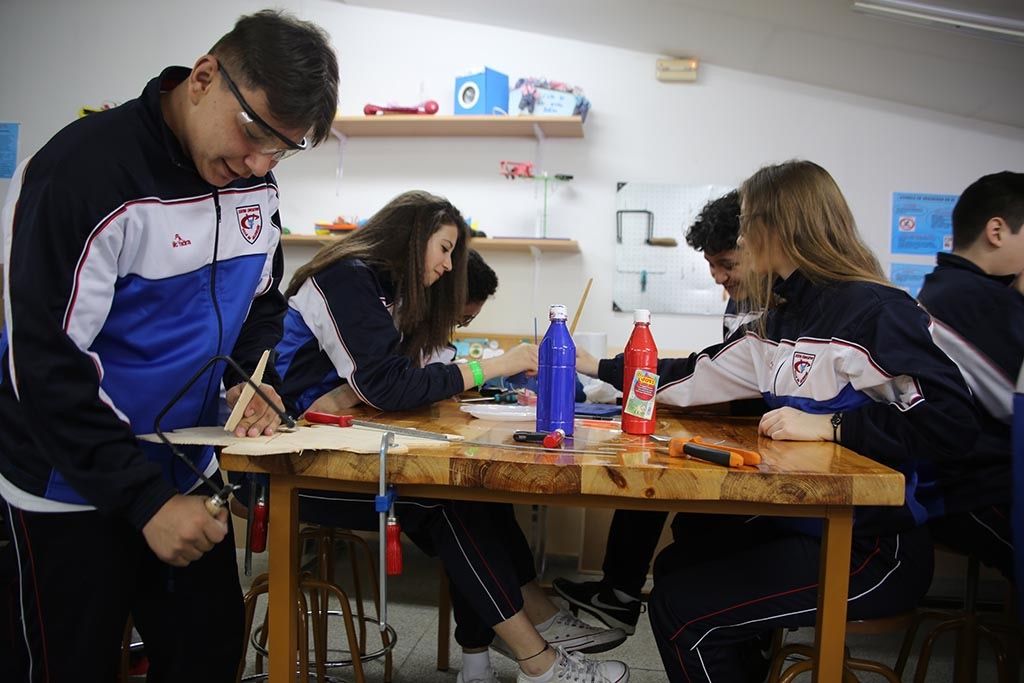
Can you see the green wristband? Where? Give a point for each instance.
(478, 372)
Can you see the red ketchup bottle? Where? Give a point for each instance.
(640, 377)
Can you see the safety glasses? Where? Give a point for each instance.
(262, 135)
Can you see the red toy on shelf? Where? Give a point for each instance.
(516, 169)
(428, 107)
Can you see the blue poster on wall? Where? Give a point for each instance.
(8, 149)
(922, 223)
(909, 276)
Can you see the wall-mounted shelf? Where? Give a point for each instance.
(399, 125)
(479, 243)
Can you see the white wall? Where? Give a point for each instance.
(56, 57)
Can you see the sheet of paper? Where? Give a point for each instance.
(306, 438)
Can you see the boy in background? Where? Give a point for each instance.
(633, 535)
(975, 296)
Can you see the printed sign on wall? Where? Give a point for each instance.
(922, 223)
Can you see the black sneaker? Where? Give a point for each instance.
(599, 599)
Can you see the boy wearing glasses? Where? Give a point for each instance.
(141, 242)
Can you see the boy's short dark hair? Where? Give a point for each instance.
(998, 194)
(717, 226)
(481, 280)
(291, 61)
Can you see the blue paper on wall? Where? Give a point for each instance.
(922, 223)
(8, 148)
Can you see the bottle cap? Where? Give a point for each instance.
(557, 312)
(641, 315)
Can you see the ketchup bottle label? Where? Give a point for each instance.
(640, 399)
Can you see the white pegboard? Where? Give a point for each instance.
(677, 277)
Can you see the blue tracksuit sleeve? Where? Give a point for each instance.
(922, 409)
(719, 373)
(347, 310)
(610, 370)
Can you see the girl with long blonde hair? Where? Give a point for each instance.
(838, 355)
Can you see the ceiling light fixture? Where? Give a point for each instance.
(984, 25)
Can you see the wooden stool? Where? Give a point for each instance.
(896, 624)
(315, 591)
(969, 628)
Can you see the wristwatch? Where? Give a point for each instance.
(837, 419)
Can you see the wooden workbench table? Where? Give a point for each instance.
(797, 479)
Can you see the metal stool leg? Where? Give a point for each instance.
(444, 620)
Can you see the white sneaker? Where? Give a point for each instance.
(577, 668)
(572, 635)
(489, 677)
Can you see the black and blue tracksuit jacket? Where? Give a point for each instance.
(126, 272)
(856, 348)
(979, 323)
(339, 330)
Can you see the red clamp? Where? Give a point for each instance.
(258, 524)
(328, 419)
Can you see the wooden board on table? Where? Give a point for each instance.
(305, 438)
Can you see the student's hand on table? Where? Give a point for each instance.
(336, 400)
(586, 363)
(183, 529)
(259, 418)
(790, 424)
(521, 358)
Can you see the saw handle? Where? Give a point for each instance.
(328, 419)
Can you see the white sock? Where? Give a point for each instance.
(475, 664)
(625, 597)
(544, 676)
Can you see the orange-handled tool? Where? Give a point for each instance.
(686, 448)
(749, 457)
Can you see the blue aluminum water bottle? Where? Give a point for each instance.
(556, 376)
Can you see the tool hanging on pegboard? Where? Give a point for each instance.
(649, 239)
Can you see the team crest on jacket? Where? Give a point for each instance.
(802, 366)
(250, 222)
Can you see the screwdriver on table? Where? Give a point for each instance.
(727, 456)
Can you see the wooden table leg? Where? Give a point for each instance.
(833, 589)
(283, 554)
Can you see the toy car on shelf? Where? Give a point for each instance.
(427, 107)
